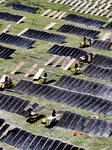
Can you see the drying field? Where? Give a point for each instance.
(58, 92)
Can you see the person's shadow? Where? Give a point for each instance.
(36, 118)
(52, 124)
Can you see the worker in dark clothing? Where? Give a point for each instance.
(85, 38)
(91, 56)
(30, 109)
(45, 75)
(86, 56)
(89, 39)
(76, 65)
(6, 79)
(54, 112)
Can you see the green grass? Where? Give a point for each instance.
(39, 50)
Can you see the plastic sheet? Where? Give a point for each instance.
(59, 95)
(75, 121)
(20, 102)
(66, 51)
(108, 130)
(48, 144)
(55, 145)
(69, 120)
(22, 140)
(95, 127)
(61, 146)
(45, 36)
(35, 142)
(84, 103)
(10, 17)
(80, 101)
(81, 123)
(53, 49)
(88, 126)
(24, 8)
(68, 146)
(41, 143)
(108, 27)
(101, 106)
(17, 138)
(69, 99)
(28, 142)
(108, 106)
(1, 122)
(98, 102)
(77, 31)
(4, 127)
(84, 20)
(64, 97)
(5, 52)
(91, 103)
(63, 118)
(12, 40)
(22, 107)
(4, 100)
(8, 103)
(102, 128)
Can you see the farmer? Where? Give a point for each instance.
(54, 112)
